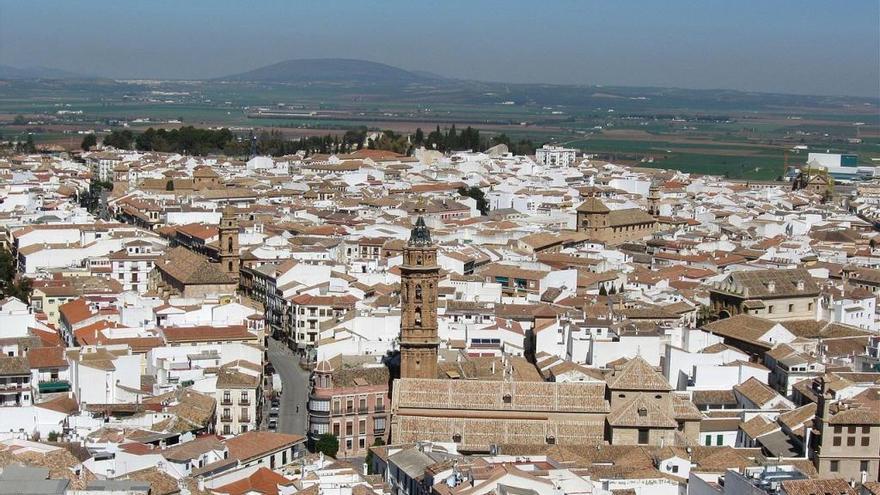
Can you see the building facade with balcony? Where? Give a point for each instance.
(349, 399)
(15, 382)
(238, 401)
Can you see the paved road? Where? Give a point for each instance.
(295, 389)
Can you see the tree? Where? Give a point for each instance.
(19, 120)
(11, 284)
(327, 444)
(27, 146)
(602, 290)
(477, 194)
(89, 141)
(368, 460)
(123, 140)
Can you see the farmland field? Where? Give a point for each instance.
(741, 135)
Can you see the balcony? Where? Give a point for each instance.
(226, 401)
(244, 402)
(226, 418)
(379, 409)
(244, 419)
(363, 410)
(13, 387)
(50, 386)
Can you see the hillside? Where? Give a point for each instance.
(329, 70)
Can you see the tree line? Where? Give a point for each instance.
(194, 141)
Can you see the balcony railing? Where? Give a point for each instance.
(50, 386)
(226, 418)
(244, 419)
(226, 402)
(379, 409)
(244, 402)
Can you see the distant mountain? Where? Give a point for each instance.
(330, 70)
(37, 72)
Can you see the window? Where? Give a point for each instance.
(644, 434)
(362, 442)
(791, 308)
(378, 425)
(850, 441)
(866, 441)
(674, 468)
(362, 426)
(348, 444)
(770, 308)
(834, 466)
(850, 429)
(708, 440)
(336, 430)
(836, 441)
(866, 430)
(348, 428)
(719, 440)
(863, 466)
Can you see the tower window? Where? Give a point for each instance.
(418, 316)
(419, 293)
(229, 244)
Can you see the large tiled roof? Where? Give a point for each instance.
(487, 395)
(190, 268)
(482, 432)
(629, 216)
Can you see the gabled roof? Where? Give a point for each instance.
(254, 444)
(643, 411)
(637, 374)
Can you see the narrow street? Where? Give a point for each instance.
(295, 389)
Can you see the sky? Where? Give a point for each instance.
(784, 46)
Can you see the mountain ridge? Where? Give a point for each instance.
(329, 70)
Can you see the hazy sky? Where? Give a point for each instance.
(797, 46)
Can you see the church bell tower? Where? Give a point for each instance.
(229, 255)
(419, 275)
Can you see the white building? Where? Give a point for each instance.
(555, 156)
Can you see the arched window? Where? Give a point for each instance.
(229, 244)
(418, 316)
(230, 265)
(419, 293)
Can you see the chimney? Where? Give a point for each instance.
(771, 286)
